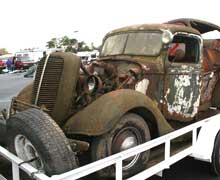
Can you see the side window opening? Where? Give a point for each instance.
(184, 49)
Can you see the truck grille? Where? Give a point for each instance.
(50, 82)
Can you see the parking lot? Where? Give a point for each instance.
(188, 169)
(10, 85)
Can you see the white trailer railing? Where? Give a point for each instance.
(118, 158)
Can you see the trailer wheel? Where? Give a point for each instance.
(32, 134)
(131, 131)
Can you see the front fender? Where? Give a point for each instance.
(102, 115)
(26, 93)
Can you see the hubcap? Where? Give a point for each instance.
(129, 142)
(26, 151)
(125, 139)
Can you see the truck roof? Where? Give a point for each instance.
(141, 27)
(199, 25)
(187, 25)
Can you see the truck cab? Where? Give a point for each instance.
(171, 57)
(175, 59)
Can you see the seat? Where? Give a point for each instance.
(178, 55)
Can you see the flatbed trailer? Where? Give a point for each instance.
(201, 146)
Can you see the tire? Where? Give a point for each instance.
(216, 96)
(131, 127)
(33, 133)
(215, 165)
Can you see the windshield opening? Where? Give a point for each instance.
(134, 43)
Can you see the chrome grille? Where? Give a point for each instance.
(50, 82)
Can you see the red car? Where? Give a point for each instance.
(23, 63)
(18, 65)
(2, 63)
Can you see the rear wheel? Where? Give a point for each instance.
(33, 135)
(215, 165)
(129, 132)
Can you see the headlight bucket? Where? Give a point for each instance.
(94, 84)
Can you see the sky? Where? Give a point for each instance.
(31, 23)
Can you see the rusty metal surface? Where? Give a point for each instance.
(67, 87)
(211, 67)
(209, 82)
(49, 85)
(182, 92)
(101, 115)
(57, 92)
(25, 94)
(211, 54)
(201, 26)
(215, 99)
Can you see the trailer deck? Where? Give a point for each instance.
(165, 156)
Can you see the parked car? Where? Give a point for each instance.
(23, 63)
(2, 65)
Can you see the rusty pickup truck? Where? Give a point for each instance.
(150, 79)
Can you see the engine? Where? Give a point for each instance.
(101, 77)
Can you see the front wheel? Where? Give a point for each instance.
(33, 135)
(131, 131)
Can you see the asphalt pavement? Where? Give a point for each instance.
(10, 85)
(187, 169)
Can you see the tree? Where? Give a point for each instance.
(71, 49)
(82, 46)
(65, 41)
(68, 44)
(53, 43)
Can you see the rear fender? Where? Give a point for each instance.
(102, 115)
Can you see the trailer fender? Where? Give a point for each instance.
(102, 115)
(206, 139)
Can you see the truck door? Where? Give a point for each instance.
(182, 78)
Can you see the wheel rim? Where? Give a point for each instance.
(125, 139)
(26, 151)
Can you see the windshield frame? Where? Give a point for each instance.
(130, 54)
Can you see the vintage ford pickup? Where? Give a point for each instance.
(149, 80)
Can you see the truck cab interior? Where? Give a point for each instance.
(184, 49)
